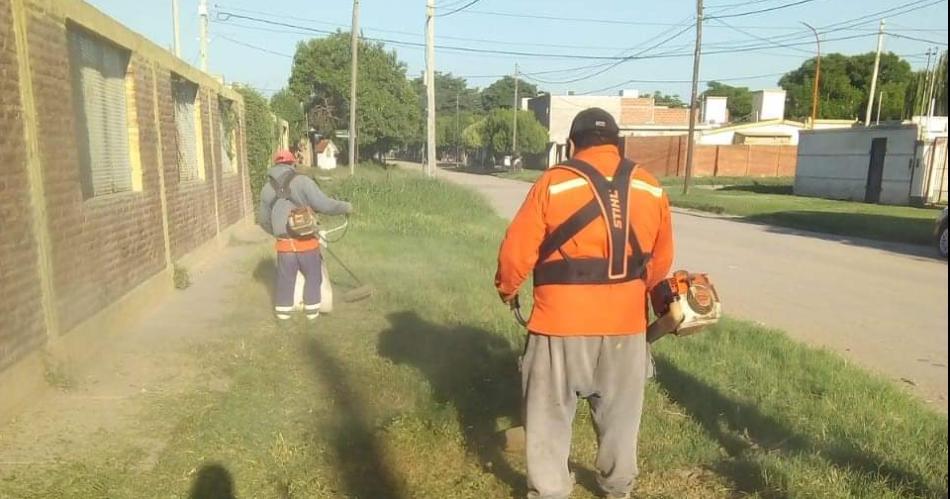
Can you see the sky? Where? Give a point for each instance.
(552, 41)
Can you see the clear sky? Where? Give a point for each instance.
(259, 54)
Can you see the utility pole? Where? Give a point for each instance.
(931, 94)
(880, 104)
(458, 136)
(514, 123)
(176, 32)
(203, 33)
(877, 67)
(354, 54)
(924, 90)
(814, 92)
(693, 101)
(430, 88)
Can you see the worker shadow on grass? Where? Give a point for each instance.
(362, 463)
(265, 273)
(472, 369)
(213, 481)
(745, 433)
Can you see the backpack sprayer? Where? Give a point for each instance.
(361, 292)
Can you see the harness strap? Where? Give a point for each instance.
(611, 198)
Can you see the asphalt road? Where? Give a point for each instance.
(883, 306)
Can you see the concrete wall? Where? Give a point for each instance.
(834, 163)
(715, 110)
(666, 157)
(727, 136)
(65, 257)
(768, 104)
(557, 112)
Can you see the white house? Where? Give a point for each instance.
(324, 153)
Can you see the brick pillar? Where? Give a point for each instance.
(35, 170)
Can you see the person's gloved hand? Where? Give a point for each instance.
(508, 299)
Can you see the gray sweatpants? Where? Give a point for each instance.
(611, 373)
(309, 264)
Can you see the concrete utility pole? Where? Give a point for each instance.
(458, 132)
(814, 92)
(176, 31)
(880, 104)
(877, 67)
(926, 86)
(693, 101)
(931, 94)
(514, 122)
(430, 88)
(203, 33)
(354, 54)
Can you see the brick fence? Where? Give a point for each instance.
(666, 157)
(66, 255)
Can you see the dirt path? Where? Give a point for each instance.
(880, 305)
(144, 365)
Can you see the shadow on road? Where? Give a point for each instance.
(213, 481)
(359, 456)
(743, 432)
(472, 369)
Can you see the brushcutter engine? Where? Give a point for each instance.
(684, 304)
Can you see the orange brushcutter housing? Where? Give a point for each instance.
(684, 304)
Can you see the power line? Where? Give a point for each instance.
(914, 38)
(254, 47)
(762, 11)
(735, 78)
(460, 9)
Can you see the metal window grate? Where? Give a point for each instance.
(99, 72)
(185, 95)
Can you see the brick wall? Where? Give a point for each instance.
(99, 248)
(666, 157)
(22, 328)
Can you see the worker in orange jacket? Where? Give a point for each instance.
(595, 232)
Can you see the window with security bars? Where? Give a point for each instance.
(188, 129)
(99, 81)
(226, 136)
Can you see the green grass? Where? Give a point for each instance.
(402, 395)
(770, 201)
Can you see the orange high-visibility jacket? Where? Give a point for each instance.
(586, 309)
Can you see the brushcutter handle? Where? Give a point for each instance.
(515, 305)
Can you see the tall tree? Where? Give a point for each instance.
(321, 76)
(494, 133)
(285, 105)
(738, 99)
(447, 87)
(845, 83)
(501, 94)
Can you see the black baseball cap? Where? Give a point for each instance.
(594, 119)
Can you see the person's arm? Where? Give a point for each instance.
(663, 252)
(519, 250)
(321, 203)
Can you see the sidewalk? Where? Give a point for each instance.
(155, 359)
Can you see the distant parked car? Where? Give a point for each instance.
(940, 233)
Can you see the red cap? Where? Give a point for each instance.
(284, 157)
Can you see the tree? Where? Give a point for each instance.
(915, 100)
(260, 136)
(738, 99)
(661, 99)
(494, 133)
(501, 94)
(285, 105)
(447, 87)
(844, 87)
(389, 114)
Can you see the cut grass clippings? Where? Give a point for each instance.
(402, 396)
